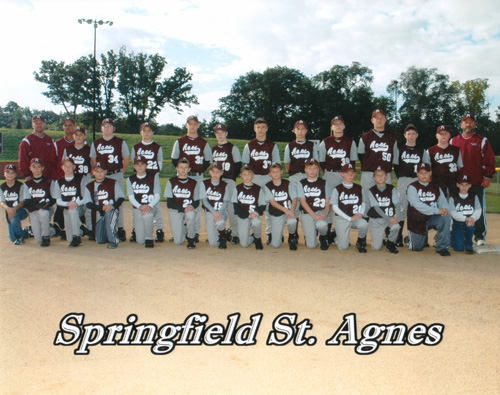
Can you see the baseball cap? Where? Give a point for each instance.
(275, 165)
(378, 111)
(423, 166)
(348, 167)
(192, 118)
(147, 124)
(464, 178)
(100, 165)
(68, 159)
(80, 129)
(260, 120)
(107, 120)
(467, 116)
(216, 165)
(36, 160)
(69, 119)
(312, 161)
(10, 167)
(140, 159)
(301, 122)
(336, 118)
(379, 169)
(38, 117)
(443, 129)
(220, 126)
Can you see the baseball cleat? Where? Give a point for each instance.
(443, 252)
(133, 238)
(323, 241)
(229, 235)
(480, 242)
(470, 250)
(77, 240)
(222, 243)
(235, 240)
(191, 243)
(361, 245)
(45, 241)
(391, 247)
(150, 243)
(122, 235)
(269, 238)
(160, 236)
(19, 241)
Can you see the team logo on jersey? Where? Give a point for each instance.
(379, 147)
(68, 190)
(102, 194)
(246, 199)
(140, 188)
(302, 153)
(280, 196)
(213, 194)
(259, 155)
(336, 153)
(37, 193)
(428, 196)
(465, 209)
(11, 197)
(219, 156)
(105, 149)
(410, 158)
(311, 191)
(179, 192)
(191, 149)
(348, 198)
(79, 160)
(443, 158)
(148, 154)
(383, 201)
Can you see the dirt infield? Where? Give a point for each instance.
(38, 287)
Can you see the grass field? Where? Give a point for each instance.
(13, 137)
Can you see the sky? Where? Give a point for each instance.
(220, 40)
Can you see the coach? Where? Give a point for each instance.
(479, 164)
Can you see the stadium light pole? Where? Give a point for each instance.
(96, 24)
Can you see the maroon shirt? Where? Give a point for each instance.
(110, 151)
(81, 157)
(183, 191)
(281, 195)
(150, 152)
(12, 194)
(299, 154)
(215, 193)
(409, 158)
(384, 199)
(143, 188)
(350, 200)
(39, 191)
(61, 145)
(261, 156)
(466, 205)
(192, 150)
(105, 193)
(379, 151)
(428, 194)
(70, 190)
(338, 151)
(44, 148)
(224, 154)
(444, 165)
(314, 193)
(248, 198)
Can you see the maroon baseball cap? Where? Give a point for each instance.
(467, 116)
(260, 120)
(423, 166)
(336, 118)
(443, 129)
(301, 122)
(140, 159)
(107, 120)
(147, 124)
(80, 129)
(10, 167)
(216, 165)
(100, 165)
(36, 160)
(220, 126)
(38, 117)
(312, 161)
(378, 111)
(348, 167)
(192, 118)
(464, 179)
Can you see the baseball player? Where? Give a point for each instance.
(39, 201)
(153, 153)
(427, 209)
(68, 192)
(249, 203)
(314, 196)
(144, 194)
(281, 196)
(38, 145)
(258, 154)
(12, 201)
(479, 163)
(349, 207)
(114, 152)
(182, 193)
(465, 212)
(229, 155)
(376, 148)
(197, 151)
(104, 196)
(446, 162)
(384, 212)
(215, 194)
(64, 142)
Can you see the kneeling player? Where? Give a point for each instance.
(144, 193)
(249, 204)
(282, 198)
(314, 196)
(182, 193)
(104, 196)
(428, 209)
(384, 206)
(349, 207)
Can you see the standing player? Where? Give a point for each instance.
(144, 193)
(182, 193)
(446, 162)
(405, 167)
(64, 142)
(258, 154)
(114, 152)
(376, 148)
(229, 156)
(12, 201)
(153, 153)
(479, 163)
(38, 145)
(349, 207)
(281, 196)
(215, 194)
(314, 196)
(197, 151)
